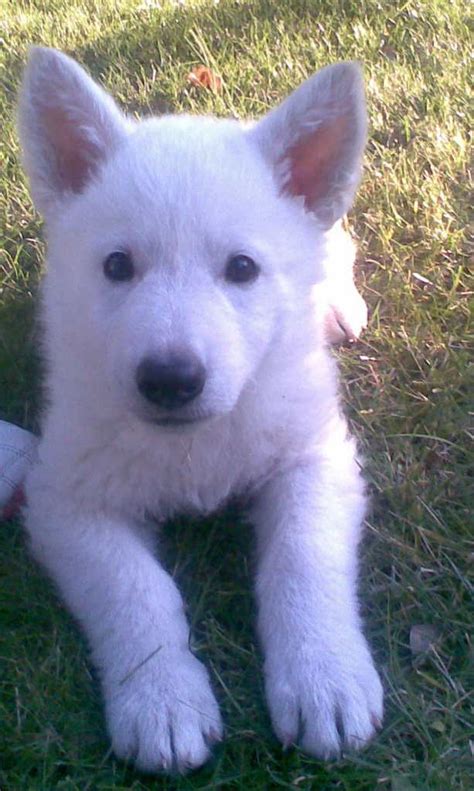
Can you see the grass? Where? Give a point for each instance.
(406, 388)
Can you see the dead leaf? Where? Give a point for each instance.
(388, 51)
(438, 725)
(401, 784)
(204, 77)
(422, 637)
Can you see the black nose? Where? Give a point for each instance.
(171, 382)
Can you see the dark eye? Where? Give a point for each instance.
(241, 269)
(118, 266)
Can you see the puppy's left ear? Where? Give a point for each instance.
(68, 127)
(315, 140)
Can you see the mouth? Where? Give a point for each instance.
(178, 422)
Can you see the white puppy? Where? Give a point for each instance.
(186, 363)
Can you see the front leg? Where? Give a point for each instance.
(160, 709)
(322, 688)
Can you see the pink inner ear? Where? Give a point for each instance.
(314, 161)
(75, 152)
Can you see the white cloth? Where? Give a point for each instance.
(17, 452)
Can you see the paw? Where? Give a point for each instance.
(324, 701)
(164, 717)
(346, 316)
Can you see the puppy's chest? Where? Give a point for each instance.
(194, 475)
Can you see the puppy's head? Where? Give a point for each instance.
(181, 249)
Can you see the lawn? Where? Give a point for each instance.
(406, 386)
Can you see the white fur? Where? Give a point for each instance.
(183, 194)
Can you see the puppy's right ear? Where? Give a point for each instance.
(68, 127)
(315, 139)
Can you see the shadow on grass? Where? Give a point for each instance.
(185, 34)
(19, 363)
